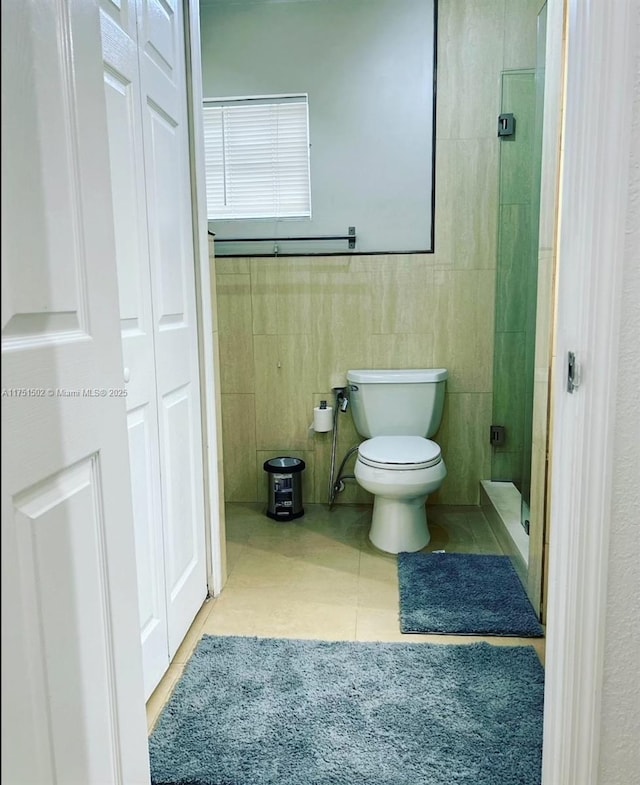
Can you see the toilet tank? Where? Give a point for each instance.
(397, 403)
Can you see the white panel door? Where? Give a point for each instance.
(72, 692)
(166, 149)
(145, 84)
(122, 91)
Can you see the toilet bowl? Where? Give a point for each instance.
(397, 410)
(401, 472)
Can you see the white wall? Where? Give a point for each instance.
(620, 720)
(367, 66)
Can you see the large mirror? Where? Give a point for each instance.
(319, 121)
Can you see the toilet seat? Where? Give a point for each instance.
(399, 453)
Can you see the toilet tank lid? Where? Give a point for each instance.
(405, 376)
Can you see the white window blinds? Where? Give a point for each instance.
(257, 158)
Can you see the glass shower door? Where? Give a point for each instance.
(516, 281)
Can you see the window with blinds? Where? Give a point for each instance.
(257, 157)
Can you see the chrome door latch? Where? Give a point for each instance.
(573, 373)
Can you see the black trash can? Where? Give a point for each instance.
(285, 488)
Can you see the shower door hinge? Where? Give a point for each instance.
(506, 125)
(573, 373)
(497, 435)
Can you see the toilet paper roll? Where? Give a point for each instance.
(322, 419)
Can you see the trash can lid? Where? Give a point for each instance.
(284, 464)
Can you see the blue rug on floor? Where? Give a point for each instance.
(463, 594)
(262, 711)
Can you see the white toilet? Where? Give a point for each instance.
(396, 411)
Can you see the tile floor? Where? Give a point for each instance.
(320, 577)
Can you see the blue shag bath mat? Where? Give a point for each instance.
(463, 594)
(262, 711)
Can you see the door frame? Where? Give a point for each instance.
(205, 306)
(599, 54)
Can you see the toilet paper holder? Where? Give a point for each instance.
(323, 419)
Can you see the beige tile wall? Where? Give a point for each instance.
(289, 329)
